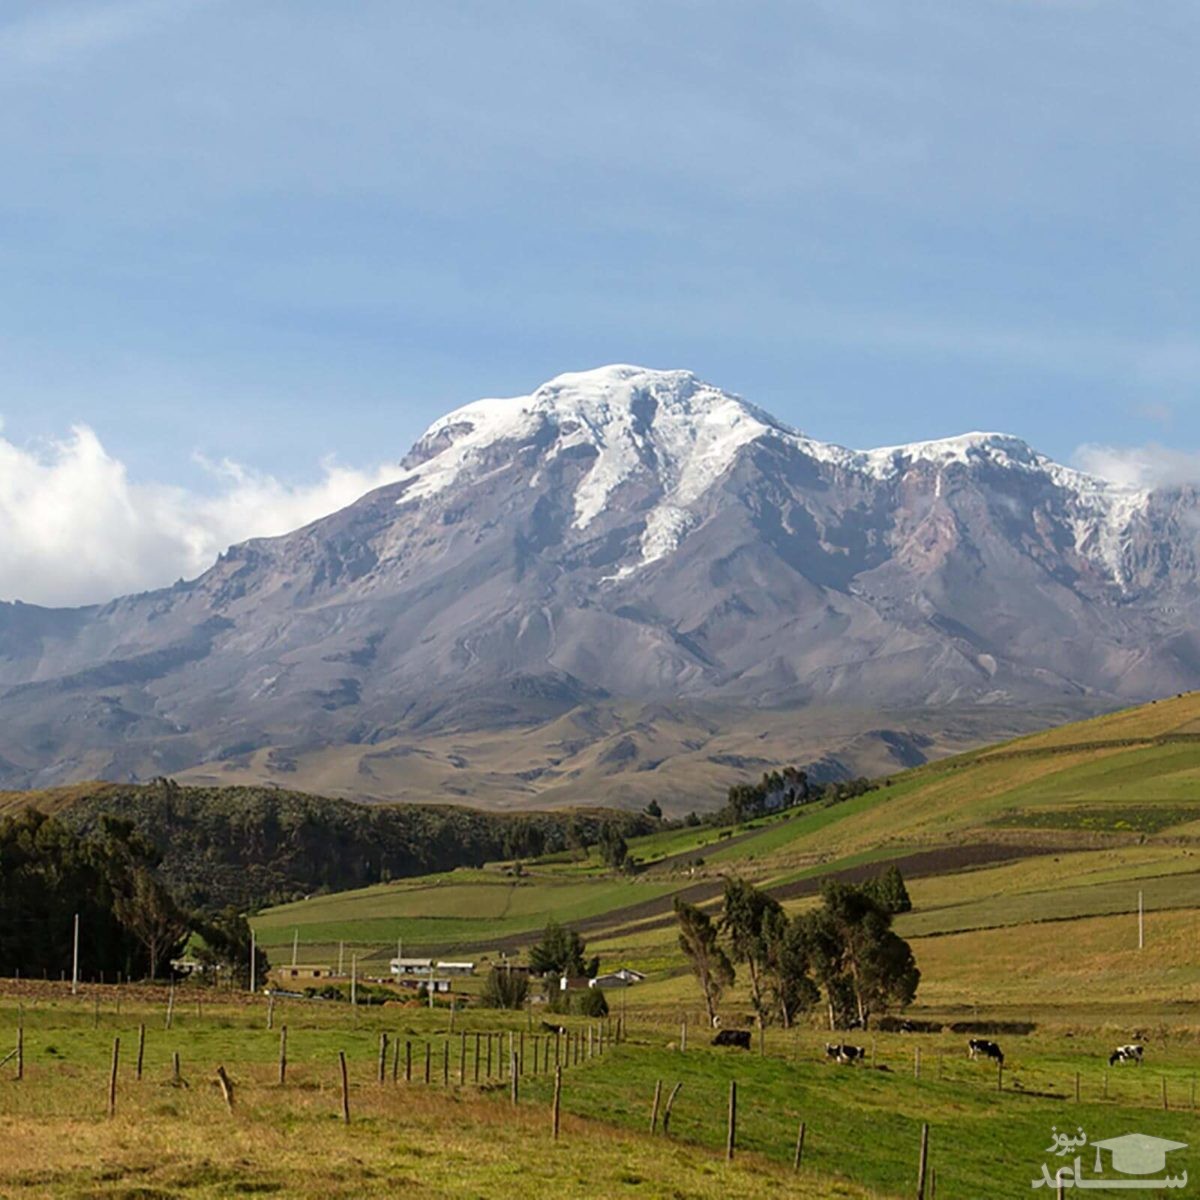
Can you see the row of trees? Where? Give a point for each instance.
(844, 954)
(130, 922)
(779, 790)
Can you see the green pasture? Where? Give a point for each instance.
(988, 1133)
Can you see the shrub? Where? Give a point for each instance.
(505, 989)
(593, 1003)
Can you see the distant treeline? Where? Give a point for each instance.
(254, 846)
(779, 790)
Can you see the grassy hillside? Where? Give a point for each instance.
(1024, 863)
(1040, 844)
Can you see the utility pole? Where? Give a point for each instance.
(75, 961)
(1141, 921)
(341, 956)
(354, 982)
(253, 963)
(295, 945)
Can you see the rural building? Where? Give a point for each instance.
(402, 967)
(305, 971)
(456, 968)
(574, 983)
(622, 977)
(439, 986)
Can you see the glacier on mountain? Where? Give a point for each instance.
(684, 434)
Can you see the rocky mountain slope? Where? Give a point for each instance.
(566, 567)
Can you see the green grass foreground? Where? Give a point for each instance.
(862, 1123)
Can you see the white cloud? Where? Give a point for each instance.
(1149, 466)
(75, 529)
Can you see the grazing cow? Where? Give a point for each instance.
(978, 1046)
(548, 1028)
(1129, 1053)
(733, 1037)
(845, 1054)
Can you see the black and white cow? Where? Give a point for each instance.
(845, 1054)
(733, 1037)
(978, 1046)
(1129, 1053)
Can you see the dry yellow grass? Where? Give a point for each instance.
(168, 1142)
(1074, 964)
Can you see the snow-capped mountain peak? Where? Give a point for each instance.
(669, 424)
(617, 535)
(681, 435)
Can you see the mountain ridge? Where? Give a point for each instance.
(616, 541)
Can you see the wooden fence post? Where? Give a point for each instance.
(345, 1088)
(670, 1105)
(1164, 1093)
(557, 1099)
(683, 1038)
(446, 1063)
(282, 1055)
(271, 1011)
(476, 1071)
(1000, 1077)
(1076, 1087)
(170, 1005)
(408, 1062)
(462, 1058)
(112, 1078)
(917, 1062)
(922, 1162)
(731, 1129)
(177, 1075)
(428, 1060)
(521, 1053)
(489, 1056)
(654, 1108)
(226, 1087)
(799, 1147)
(395, 1061)
(21, 1051)
(141, 1050)
(383, 1049)
(514, 1074)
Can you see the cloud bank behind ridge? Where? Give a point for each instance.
(75, 529)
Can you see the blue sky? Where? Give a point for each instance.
(266, 233)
